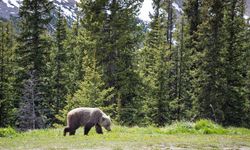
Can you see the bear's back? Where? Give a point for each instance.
(84, 111)
(80, 116)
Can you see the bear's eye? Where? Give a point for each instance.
(103, 119)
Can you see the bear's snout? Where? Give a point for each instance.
(108, 128)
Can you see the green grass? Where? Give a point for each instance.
(7, 132)
(200, 135)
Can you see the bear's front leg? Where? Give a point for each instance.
(67, 129)
(87, 127)
(98, 129)
(72, 132)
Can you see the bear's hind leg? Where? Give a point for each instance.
(87, 127)
(98, 129)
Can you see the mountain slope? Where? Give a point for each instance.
(248, 8)
(9, 8)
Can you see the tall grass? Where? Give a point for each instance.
(209, 127)
(202, 126)
(199, 127)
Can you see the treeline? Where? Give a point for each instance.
(182, 68)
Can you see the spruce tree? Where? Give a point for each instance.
(113, 25)
(92, 91)
(60, 59)
(155, 68)
(192, 12)
(246, 107)
(210, 83)
(167, 6)
(188, 58)
(7, 77)
(33, 48)
(182, 104)
(75, 44)
(234, 24)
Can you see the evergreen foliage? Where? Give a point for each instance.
(246, 59)
(182, 103)
(92, 91)
(234, 24)
(7, 77)
(74, 45)
(155, 70)
(211, 73)
(191, 56)
(33, 47)
(60, 76)
(113, 25)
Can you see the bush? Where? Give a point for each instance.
(202, 126)
(181, 127)
(209, 127)
(7, 132)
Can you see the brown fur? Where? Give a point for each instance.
(87, 117)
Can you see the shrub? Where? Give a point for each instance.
(202, 126)
(7, 132)
(209, 127)
(181, 127)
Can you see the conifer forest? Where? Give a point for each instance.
(176, 67)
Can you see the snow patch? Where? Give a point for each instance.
(108, 12)
(246, 17)
(15, 3)
(68, 12)
(176, 6)
(11, 3)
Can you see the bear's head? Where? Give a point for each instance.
(106, 122)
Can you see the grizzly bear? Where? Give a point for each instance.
(87, 117)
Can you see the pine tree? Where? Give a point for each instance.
(33, 47)
(210, 83)
(246, 108)
(234, 24)
(35, 15)
(7, 78)
(170, 20)
(92, 91)
(113, 24)
(182, 104)
(192, 12)
(187, 61)
(154, 69)
(76, 31)
(60, 74)
(75, 44)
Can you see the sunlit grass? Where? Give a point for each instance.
(200, 135)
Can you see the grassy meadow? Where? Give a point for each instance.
(185, 135)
